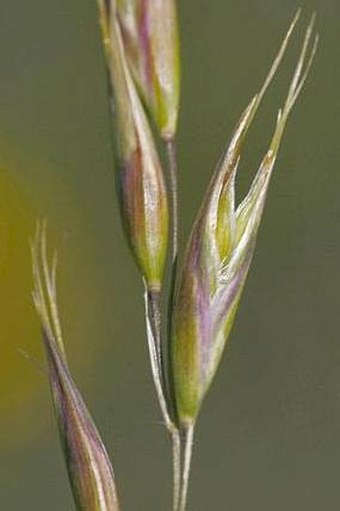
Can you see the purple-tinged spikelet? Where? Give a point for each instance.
(142, 190)
(89, 468)
(220, 252)
(150, 34)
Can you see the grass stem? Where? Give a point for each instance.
(152, 319)
(188, 447)
(171, 148)
(176, 458)
(152, 315)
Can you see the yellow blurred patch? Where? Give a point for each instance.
(19, 380)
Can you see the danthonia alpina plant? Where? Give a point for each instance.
(186, 341)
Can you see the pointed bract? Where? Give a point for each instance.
(89, 468)
(142, 190)
(150, 34)
(220, 252)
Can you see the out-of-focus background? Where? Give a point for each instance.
(269, 434)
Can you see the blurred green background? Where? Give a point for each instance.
(269, 434)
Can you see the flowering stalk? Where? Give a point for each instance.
(218, 258)
(142, 190)
(143, 195)
(89, 468)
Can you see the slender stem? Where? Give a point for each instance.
(188, 447)
(172, 159)
(176, 457)
(152, 313)
(171, 148)
(153, 336)
(172, 174)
